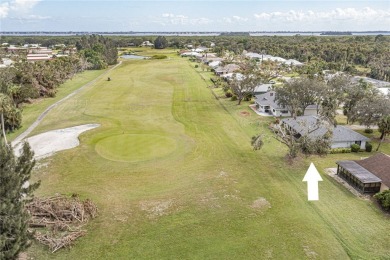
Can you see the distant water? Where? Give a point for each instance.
(133, 57)
(182, 33)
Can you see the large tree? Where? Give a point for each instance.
(296, 95)
(354, 93)
(243, 83)
(384, 128)
(15, 191)
(332, 96)
(160, 42)
(370, 109)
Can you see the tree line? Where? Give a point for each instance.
(25, 80)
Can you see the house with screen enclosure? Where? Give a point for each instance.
(370, 175)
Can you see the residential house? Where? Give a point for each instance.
(266, 103)
(229, 68)
(262, 89)
(313, 127)
(191, 54)
(370, 175)
(38, 57)
(147, 44)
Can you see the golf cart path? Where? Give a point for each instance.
(23, 135)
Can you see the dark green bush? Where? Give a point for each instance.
(159, 57)
(384, 199)
(368, 131)
(368, 147)
(233, 98)
(228, 94)
(355, 148)
(196, 66)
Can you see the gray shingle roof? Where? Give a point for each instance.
(308, 125)
(267, 99)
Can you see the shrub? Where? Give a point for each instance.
(233, 98)
(355, 148)
(384, 199)
(340, 150)
(228, 94)
(368, 147)
(196, 66)
(248, 97)
(368, 131)
(159, 57)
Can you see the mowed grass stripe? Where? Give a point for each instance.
(195, 203)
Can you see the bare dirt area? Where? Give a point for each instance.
(46, 144)
(245, 113)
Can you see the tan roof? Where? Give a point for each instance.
(379, 165)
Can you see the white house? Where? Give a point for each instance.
(313, 127)
(147, 43)
(266, 103)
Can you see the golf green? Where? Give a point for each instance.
(135, 147)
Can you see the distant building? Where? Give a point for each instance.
(147, 44)
(38, 57)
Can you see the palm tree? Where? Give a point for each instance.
(384, 128)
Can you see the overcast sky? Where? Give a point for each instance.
(185, 15)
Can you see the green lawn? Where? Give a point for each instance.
(174, 176)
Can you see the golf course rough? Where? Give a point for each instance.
(135, 147)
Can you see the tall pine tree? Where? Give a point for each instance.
(15, 191)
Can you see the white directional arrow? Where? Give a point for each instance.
(312, 177)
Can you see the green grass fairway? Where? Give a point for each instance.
(135, 147)
(174, 176)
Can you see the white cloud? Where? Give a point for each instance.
(351, 14)
(239, 19)
(31, 17)
(23, 5)
(234, 19)
(179, 19)
(17, 6)
(4, 9)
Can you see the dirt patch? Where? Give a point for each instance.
(261, 204)
(309, 253)
(155, 209)
(245, 113)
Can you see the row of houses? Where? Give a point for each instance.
(34, 52)
(266, 57)
(369, 175)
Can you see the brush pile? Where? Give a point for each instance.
(59, 220)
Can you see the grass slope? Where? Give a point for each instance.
(200, 199)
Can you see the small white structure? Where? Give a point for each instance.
(147, 44)
(5, 62)
(191, 54)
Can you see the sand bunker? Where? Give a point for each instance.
(48, 143)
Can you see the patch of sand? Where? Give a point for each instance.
(46, 144)
(155, 209)
(261, 204)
